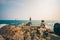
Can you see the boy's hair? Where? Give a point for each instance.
(42, 21)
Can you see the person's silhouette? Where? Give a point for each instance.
(29, 23)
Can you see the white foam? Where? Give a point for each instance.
(1, 25)
(50, 27)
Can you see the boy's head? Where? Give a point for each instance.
(42, 21)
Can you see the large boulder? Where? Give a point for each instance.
(57, 28)
(6, 32)
(10, 32)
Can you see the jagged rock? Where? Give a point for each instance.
(6, 32)
(18, 36)
(1, 38)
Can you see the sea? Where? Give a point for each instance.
(49, 23)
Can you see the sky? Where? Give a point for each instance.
(24, 9)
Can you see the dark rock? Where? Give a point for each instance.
(57, 28)
(29, 23)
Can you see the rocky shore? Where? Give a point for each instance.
(24, 32)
